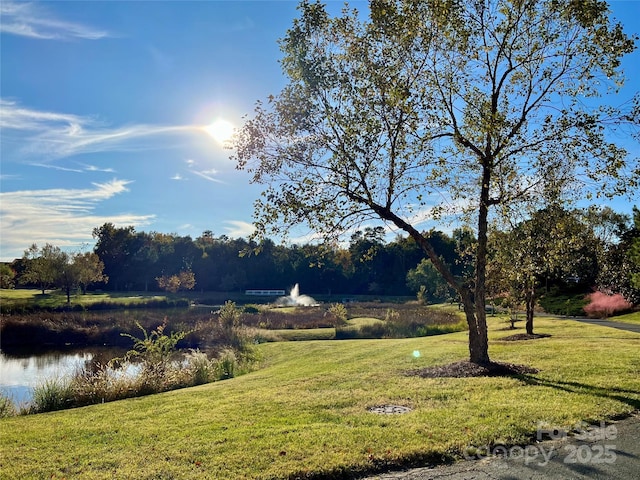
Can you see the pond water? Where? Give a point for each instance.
(20, 373)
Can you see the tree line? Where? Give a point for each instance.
(554, 248)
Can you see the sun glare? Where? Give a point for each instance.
(220, 130)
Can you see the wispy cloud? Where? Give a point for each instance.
(63, 217)
(50, 135)
(93, 168)
(58, 167)
(239, 229)
(34, 21)
(207, 174)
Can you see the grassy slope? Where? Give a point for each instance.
(299, 334)
(306, 410)
(628, 318)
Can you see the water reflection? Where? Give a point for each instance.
(20, 373)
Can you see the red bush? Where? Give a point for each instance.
(603, 305)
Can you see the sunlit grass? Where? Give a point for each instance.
(329, 333)
(57, 298)
(628, 318)
(305, 412)
(301, 334)
(362, 321)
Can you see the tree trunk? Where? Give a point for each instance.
(475, 314)
(478, 340)
(530, 302)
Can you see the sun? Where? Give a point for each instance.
(221, 130)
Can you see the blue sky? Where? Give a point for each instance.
(104, 104)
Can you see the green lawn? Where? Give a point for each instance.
(57, 298)
(304, 413)
(628, 318)
(298, 334)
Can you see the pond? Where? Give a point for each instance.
(20, 373)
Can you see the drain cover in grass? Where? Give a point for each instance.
(389, 409)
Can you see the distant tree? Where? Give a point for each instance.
(634, 251)
(607, 225)
(77, 271)
(367, 253)
(620, 266)
(67, 276)
(7, 276)
(117, 248)
(487, 104)
(182, 281)
(88, 269)
(427, 281)
(43, 266)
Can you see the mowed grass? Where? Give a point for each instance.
(304, 413)
(329, 333)
(57, 298)
(633, 318)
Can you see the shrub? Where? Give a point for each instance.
(422, 295)
(155, 350)
(339, 311)
(229, 314)
(603, 305)
(52, 394)
(202, 369)
(226, 366)
(570, 305)
(7, 408)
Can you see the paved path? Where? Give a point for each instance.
(632, 327)
(605, 452)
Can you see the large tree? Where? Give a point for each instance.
(433, 104)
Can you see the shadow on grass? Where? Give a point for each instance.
(576, 387)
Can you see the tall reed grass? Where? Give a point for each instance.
(105, 383)
(7, 408)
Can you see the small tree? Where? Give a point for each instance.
(88, 269)
(552, 245)
(183, 281)
(43, 265)
(77, 271)
(229, 322)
